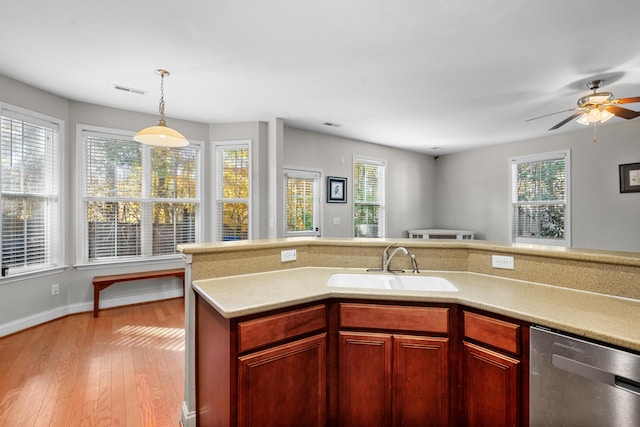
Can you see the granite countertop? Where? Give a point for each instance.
(610, 319)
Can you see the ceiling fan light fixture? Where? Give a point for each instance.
(583, 119)
(606, 115)
(595, 115)
(161, 135)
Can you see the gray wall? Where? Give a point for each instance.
(410, 179)
(256, 132)
(473, 194)
(28, 301)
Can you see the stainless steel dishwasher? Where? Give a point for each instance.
(575, 382)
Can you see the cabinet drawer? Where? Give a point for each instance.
(494, 332)
(395, 317)
(266, 330)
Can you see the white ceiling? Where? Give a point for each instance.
(416, 74)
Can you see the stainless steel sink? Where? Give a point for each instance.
(391, 281)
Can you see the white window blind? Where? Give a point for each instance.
(30, 193)
(233, 191)
(368, 197)
(539, 199)
(139, 201)
(302, 202)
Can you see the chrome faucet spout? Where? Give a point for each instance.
(385, 256)
(388, 259)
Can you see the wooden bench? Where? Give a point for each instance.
(103, 282)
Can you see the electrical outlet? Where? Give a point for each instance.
(288, 255)
(502, 261)
(55, 289)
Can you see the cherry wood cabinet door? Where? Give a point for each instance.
(491, 388)
(284, 386)
(364, 377)
(420, 381)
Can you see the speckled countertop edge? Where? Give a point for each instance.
(574, 254)
(613, 320)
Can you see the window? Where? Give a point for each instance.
(138, 201)
(540, 199)
(233, 191)
(30, 193)
(368, 197)
(302, 202)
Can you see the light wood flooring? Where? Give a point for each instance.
(124, 368)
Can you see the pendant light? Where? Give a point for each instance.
(161, 135)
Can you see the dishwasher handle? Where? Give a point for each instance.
(595, 374)
(627, 384)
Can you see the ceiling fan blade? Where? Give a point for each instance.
(627, 100)
(567, 120)
(625, 113)
(551, 114)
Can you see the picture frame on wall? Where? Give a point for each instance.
(336, 189)
(630, 178)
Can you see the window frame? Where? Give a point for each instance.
(302, 173)
(531, 158)
(56, 262)
(382, 220)
(217, 186)
(146, 257)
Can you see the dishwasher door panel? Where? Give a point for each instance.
(574, 382)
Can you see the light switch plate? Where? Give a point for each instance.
(502, 261)
(288, 255)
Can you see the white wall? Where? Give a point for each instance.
(473, 186)
(410, 179)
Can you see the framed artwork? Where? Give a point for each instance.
(336, 189)
(630, 178)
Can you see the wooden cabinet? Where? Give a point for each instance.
(390, 377)
(266, 371)
(364, 385)
(284, 386)
(361, 364)
(494, 371)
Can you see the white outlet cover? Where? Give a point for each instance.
(503, 262)
(288, 255)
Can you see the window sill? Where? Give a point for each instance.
(32, 274)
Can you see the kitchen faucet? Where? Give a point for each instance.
(386, 257)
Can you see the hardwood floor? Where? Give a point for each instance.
(124, 368)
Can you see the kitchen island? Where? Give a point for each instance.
(588, 293)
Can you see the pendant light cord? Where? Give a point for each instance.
(161, 106)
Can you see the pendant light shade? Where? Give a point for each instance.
(161, 135)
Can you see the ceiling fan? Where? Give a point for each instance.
(597, 107)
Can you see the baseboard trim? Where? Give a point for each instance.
(187, 418)
(47, 316)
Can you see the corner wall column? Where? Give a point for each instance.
(188, 412)
(275, 159)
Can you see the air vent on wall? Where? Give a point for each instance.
(130, 89)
